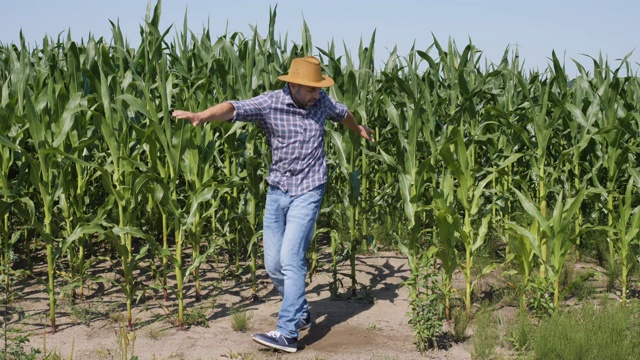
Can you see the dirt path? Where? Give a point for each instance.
(375, 326)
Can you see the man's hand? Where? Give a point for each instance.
(193, 118)
(219, 112)
(366, 133)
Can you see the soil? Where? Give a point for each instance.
(371, 325)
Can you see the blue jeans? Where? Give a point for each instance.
(289, 223)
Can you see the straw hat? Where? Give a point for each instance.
(306, 71)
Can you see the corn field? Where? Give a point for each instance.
(469, 156)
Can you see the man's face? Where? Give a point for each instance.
(304, 96)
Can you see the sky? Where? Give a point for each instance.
(574, 29)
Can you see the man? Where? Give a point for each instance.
(293, 119)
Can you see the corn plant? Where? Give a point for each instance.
(542, 130)
(627, 227)
(348, 152)
(501, 141)
(408, 111)
(581, 126)
(122, 181)
(612, 139)
(174, 145)
(447, 224)
(556, 230)
(10, 188)
(463, 154)
(470, 194)
(49, 113)
(11, 206)
(458, 155)
(347, 149)
(407, 120)
(353, 88)
(523, 245)
(256, 192)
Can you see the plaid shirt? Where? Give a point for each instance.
(294, 135)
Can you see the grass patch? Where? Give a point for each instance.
(607, 332)
(154, 333)
(83, 313)
(196, 317)
(126, 342)
(614, 272)
(486, 335)
(460, 324)
(240, 320)
(521, 332)
(117, 317)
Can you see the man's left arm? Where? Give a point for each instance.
(350, 122)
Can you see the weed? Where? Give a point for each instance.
(126, 342)
(116, 317)
(103, 354)
(580, 287)
(568, 272)
(154, 333)
(538, 296)
(614, 272)
(237, 356)
(13, 345)
(485, 336)
(460, 325)
(83, 314)
(372, 327)
(570, 334)
(501, 327)
(193, 316)
(382, 233)
(427, 306)
(240, 320)
(521, 332)
(14, 348)
(196, 316)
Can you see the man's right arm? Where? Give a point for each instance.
(220, 112)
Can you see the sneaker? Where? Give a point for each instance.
(305, 321)
(274, 339)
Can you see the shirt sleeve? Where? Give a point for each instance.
(251, 110)
(335, 111)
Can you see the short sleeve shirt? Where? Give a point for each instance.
(294, 135)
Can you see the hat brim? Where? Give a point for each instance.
(326, 81)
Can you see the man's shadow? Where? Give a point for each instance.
(378, 283)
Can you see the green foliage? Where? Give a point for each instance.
(196, 316)
(460, 324)
(485, 335)
(14, 349)
(593, 246)
(576, 284)
(240, 320)
(426, 323)
(614, 270)
(469, 157)
(606, 332)
(538, 297)
(427, 306)
(521, 332)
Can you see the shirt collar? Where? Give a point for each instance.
(288, 99)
